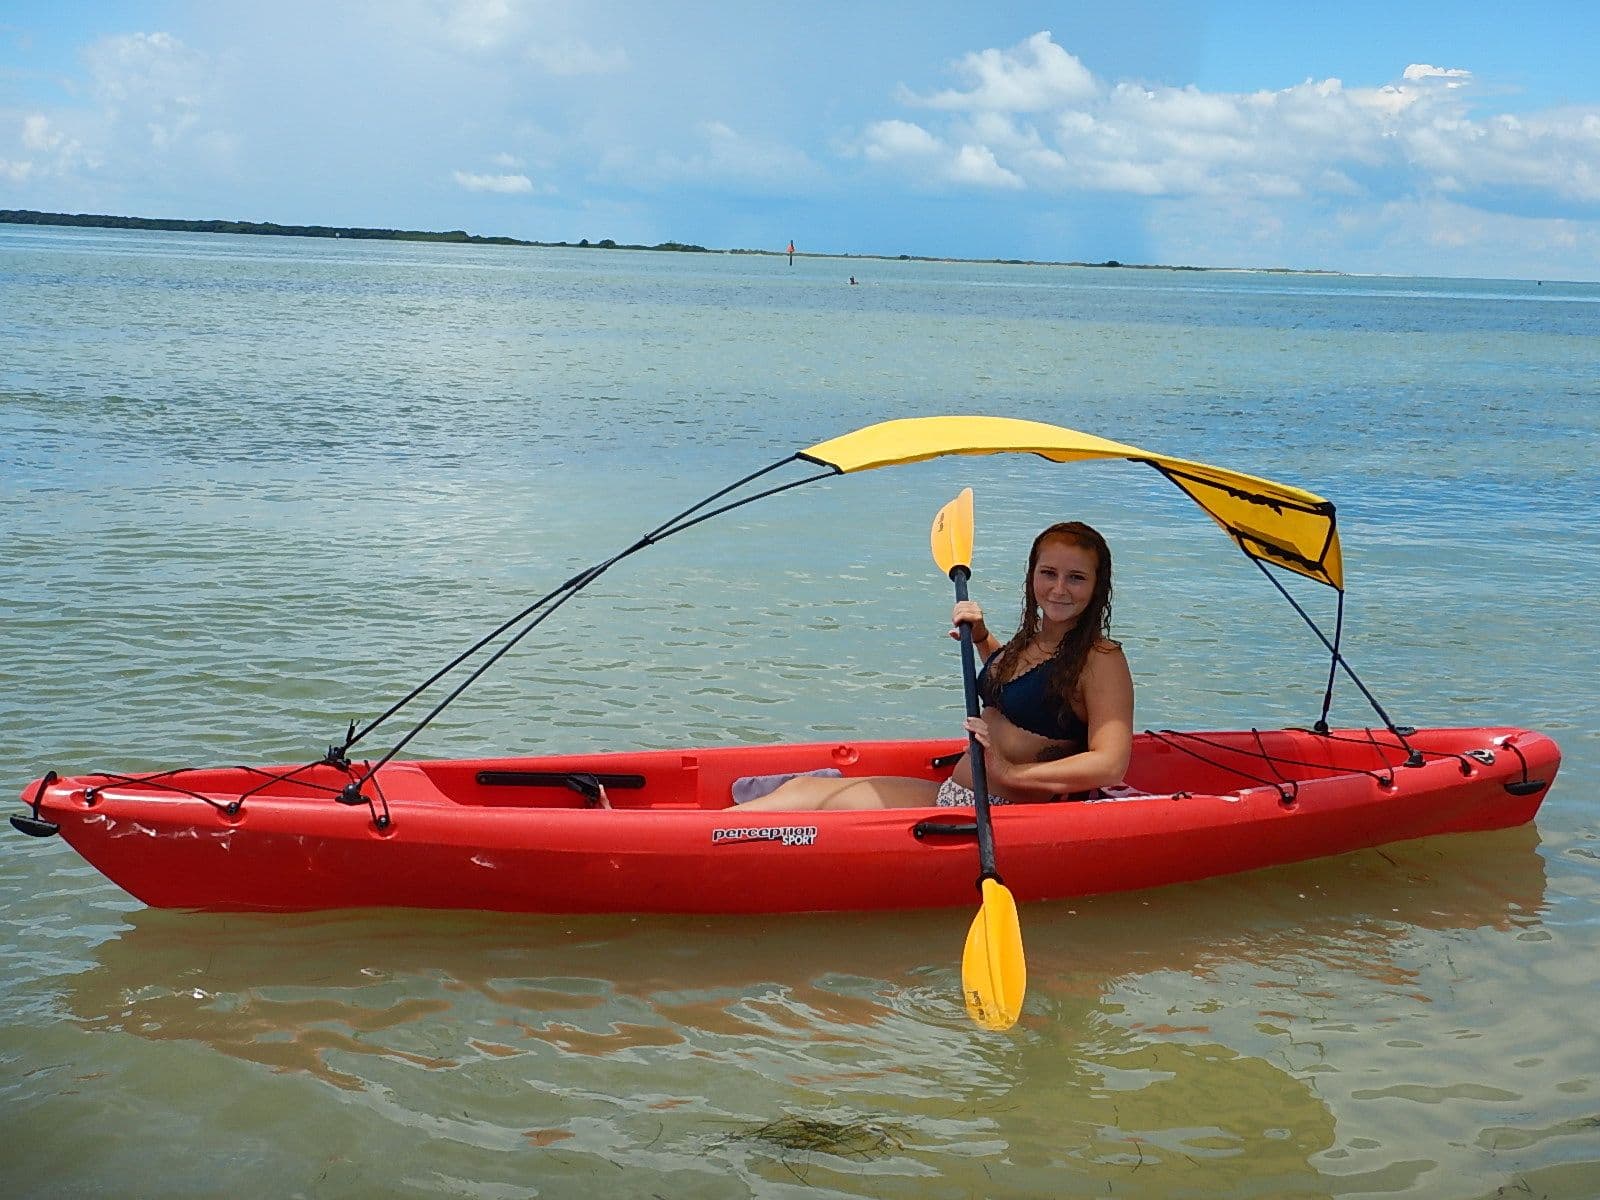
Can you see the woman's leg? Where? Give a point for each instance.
(810, 792)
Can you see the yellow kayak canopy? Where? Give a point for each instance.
(1274, 524)
(1271, 522)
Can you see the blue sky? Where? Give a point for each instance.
(1401, 138)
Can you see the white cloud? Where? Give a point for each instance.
(50, 151)
(968, 164)
(1033, 76)
(508, 185)
(151, 86)
(977, 165)
(145, 115)
(538, 33)
(1556, 153)
(899, 140)
(37, 133)
(1424, 71)
(1033, 117)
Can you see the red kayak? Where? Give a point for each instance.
(536, 835)
(657, 831)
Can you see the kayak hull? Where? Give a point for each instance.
(519, 835)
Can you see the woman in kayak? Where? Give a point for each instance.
(1058, 697)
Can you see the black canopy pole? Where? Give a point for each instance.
(548, 604)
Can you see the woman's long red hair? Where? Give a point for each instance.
(1092, 627)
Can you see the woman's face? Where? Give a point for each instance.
(1063, 581)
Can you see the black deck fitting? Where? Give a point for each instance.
(35, 826)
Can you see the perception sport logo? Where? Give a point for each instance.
(789, 835)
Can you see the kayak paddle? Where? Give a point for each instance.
(994, 974)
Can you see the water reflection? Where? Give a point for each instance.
(1163, 1035)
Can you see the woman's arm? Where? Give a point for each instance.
(1108, 702)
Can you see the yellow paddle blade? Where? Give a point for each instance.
(952, 533)
(994, 974)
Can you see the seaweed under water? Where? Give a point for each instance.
(853, 1139)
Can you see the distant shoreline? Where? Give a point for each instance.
(24, 216)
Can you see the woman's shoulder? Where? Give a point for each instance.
(1107, 663)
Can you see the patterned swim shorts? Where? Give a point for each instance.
(953, 795)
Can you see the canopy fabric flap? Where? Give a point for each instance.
(1273, 522)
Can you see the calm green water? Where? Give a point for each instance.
(253, 488)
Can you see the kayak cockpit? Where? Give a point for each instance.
(670, 780)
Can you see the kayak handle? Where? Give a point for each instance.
(923, 829)
(35, 825)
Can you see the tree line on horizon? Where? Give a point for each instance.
(15, 216)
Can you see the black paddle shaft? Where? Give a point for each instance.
(980, 777)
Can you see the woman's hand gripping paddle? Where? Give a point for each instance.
(994, 974)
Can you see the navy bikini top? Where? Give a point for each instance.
(1027, 703)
